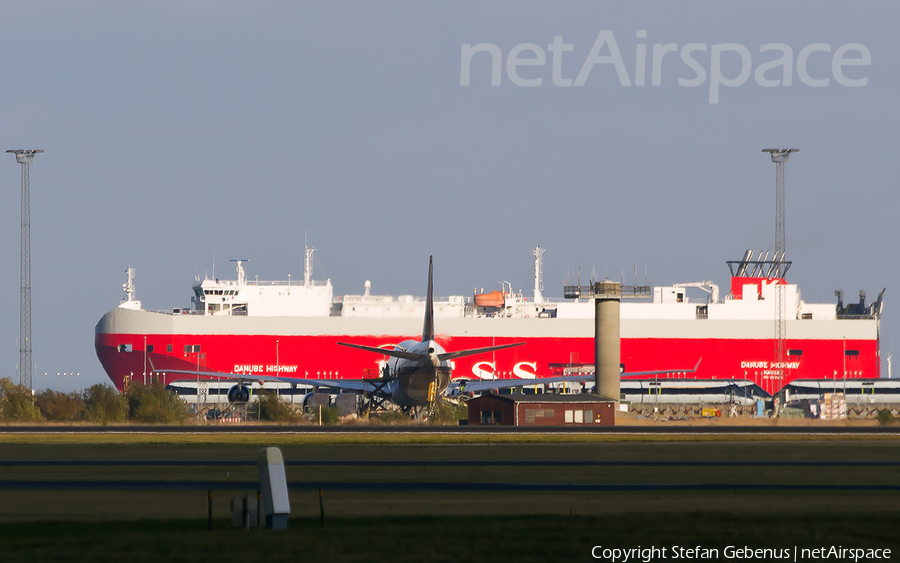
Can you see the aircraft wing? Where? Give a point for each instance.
(463, 353)
(393, 353)
(219, 375)
(487, 384)
(660, 372)
(343, 384)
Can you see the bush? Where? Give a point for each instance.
(885, 417)
(155, 404)
(443, 412)
(330, 416)
(17, 402)
(103, 404)
(276, 409)
(58, 406)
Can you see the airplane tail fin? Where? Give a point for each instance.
(428, 329)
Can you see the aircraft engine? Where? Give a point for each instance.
(238, 394)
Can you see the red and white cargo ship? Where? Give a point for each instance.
(292, 329)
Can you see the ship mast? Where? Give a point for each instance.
(538, 274)
(307, 265)
(241, 275)
(128, 286)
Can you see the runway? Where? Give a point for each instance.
(465, 430)
(405, 486)
(443, 463)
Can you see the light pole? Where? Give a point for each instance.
(25, 157)
(779, 157)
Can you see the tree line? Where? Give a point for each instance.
(100, 403)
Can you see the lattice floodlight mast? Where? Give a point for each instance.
(25, 157)
(779, 157)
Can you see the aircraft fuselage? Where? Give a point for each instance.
(418, 382)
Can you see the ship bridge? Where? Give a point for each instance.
(256, 298)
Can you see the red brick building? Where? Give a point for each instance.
(541, 410)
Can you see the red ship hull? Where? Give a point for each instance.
(139, 357)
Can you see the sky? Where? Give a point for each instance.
(179, 135)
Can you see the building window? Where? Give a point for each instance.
(491, 417)
(806, 316)
(124, 347)
(851, 353)
(795, 352)
(589, 416)
(149, 348)
(579, 417)
(169, 348)
(570, 417)
(529, 416)
(549, 413)
(187, 348)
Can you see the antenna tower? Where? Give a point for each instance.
(25, 157)
(779, 157)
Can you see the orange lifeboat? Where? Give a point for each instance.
(492, 299)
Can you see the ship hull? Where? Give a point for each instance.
(137, 345)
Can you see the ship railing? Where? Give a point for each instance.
(291, 282)
(415, 299)
(856, 317)
(587, 291)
